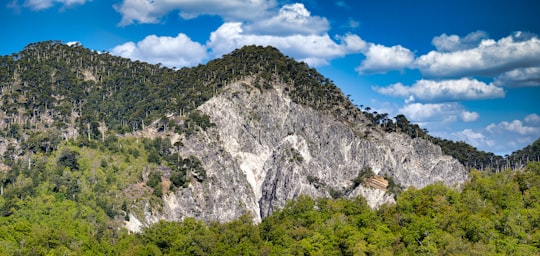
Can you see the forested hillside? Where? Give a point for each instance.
(75, 164)
(493, 214)
(51, 90)
(75, 86)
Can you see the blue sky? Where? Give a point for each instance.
(464, 70)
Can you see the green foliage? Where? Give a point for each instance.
(76, 87)
(73, 200)
(362, 176)
(178, 178)
(53, 85)
(492, 214)
(71, 197)
(154, 181)
(68, 158)
(197, 119)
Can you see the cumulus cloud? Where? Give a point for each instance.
(512, 135)
(291, 28)
(515, 126)
(430, 90)
(437, 112)
(476, 139)
(467, 116)
(381, 59)
(143, 11)
(446, 43)
(503, 137)
(532, 119)
(521, 77)
(291, 19)
(490, 57)
(179, 51)
(45, 4)
(313, 49)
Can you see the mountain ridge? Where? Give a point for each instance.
(254, 123)
(92, 66)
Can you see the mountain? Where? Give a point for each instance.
(242, 134)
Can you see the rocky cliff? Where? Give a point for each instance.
(265, 149)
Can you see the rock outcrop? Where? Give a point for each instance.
(265, 150)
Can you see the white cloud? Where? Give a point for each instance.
(439, 112)
(45, 4)
(490, 57)
(446, 43)
(521, 77)
(533, 119)
(144, 11)
(291, 29)
(38, 4)
(518, 127)
(515, 126)
(353, 43)
(429, 90)
(501, 138)
(467, 116)
(291, 19)
(476, 139)
(500, 143)
(410, 99)
(509, 136)
(512, 135)
(381, 59)
(313, 49)
(179, 51)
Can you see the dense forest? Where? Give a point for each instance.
(74, 200)
(72, 85)
(72, 171)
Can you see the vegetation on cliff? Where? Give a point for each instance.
(68, 207)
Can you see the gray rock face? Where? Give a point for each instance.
(266, 149)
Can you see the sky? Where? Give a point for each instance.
(464, 70)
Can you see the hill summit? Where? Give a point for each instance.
(242, 134)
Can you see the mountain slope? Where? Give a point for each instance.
(265, 149)
(241, 134)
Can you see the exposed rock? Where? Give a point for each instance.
(265, 150)
(377, 182)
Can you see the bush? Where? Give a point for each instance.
(68, 158)
(178, 179)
